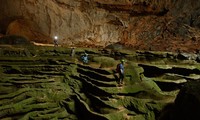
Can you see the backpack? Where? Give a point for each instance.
(118, 68)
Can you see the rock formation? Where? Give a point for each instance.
(166, 25)
(186, 106)
(42, 82)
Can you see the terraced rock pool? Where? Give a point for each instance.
(38, 82)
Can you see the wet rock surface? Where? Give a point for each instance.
(40, 82)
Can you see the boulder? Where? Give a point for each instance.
(187, 104)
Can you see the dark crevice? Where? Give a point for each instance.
(84, 113)
(100, 71)
(97, 104)
(169, 86)
(129, 94)
(139, 9)
(88, 87)
(94, 75)
(98, 83)
(152, 71)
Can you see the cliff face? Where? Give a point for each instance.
(142, 24)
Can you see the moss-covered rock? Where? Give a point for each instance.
(46, 83)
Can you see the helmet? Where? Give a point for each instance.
(86, 54)
(122, 60)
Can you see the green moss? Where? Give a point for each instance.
(105, 61)
(43, 82)
(135, 104)
(125, 89)
(133, 73)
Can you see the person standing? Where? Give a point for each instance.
(55, 41)
(72, 53)
(120, 70)
(85, 58)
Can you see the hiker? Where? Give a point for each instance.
(72, 53)
(55, 41)
(85, 58)
(120, 70)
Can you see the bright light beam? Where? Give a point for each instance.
(56, 37)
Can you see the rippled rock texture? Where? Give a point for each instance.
(38, 82)
(166, 25)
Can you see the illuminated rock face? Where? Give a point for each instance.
(141, 24)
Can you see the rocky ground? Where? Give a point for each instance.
(44, 82)
(158, 39)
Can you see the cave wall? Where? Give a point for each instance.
(143, 24)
